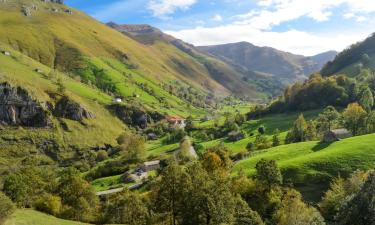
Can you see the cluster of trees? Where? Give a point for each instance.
(66, 194)
(354, 118)
(189, 94)
(203, 192)
(319, 92)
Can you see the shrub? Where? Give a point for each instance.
(6, 207)
(49, 204)
(102, 155)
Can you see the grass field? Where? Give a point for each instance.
(283, 122)
(31, 217)
(313, 163)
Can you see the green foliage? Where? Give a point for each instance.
(127, 208)
(49, 204)
(298, 132)
(77, 196)
(276, 138)
(366, 99)
(294, 211)
(340, 190)
(26, 185)
(327, 119)
(267, 172)
(354, 117)
(359, 209)
(132, 147)
(7, 207)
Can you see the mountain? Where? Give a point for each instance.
(284, 65)
(231, 76)
(354, 59)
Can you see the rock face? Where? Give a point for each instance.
(18, 108)
(69, 109)
(134, 116)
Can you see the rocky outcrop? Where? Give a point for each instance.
(135, 116)
(18, 108)
(69, 109)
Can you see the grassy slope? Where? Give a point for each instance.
(31, 217)
(310, 163)
(283, 122)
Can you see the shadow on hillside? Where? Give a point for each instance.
(320, 146)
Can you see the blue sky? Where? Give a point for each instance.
(300, 26)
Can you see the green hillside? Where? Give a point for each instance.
(352, 59)
(313, 164)
(31, 217)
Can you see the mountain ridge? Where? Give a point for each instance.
(285, 65)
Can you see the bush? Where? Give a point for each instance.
(49, 204)
(250, 146)
(6, 207)
(102, 155)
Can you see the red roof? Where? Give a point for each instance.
(174, 118)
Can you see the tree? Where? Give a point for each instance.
(127, 208)
(261, 142)
(294, 211)
(244, 215)
(340, 190)
(360, 208)
(276, 138)
(268, 173)
(132, 147)
(6, 207)
(370, 122)
(354, 116)
(168, 195)
(311, 132)
(261, 130)
(366, 99)
(327, 119)
(50, 204)
(77, 196)
(184, 154)
(298, 132)
(24, 187)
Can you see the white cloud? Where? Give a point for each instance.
(256, 26)
(162, 8)
(294, 41)
(217, 18)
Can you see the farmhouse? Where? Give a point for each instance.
(151, 165)
(336, 135)
(176, 121)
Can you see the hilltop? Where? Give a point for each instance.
(230, 76)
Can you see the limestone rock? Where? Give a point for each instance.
(18, 108)
(69, 109)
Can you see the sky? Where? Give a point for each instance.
(305, 27)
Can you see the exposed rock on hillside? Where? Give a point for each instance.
(134, 116)
(69, 109)
(18, 108)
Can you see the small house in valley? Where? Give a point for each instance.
(336, 135)
(150, 166)
(176, 121)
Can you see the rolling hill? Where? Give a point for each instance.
(232, 77)
(312, 164)
(284, 65)
(350, 61)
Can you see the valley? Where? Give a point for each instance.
(111, 123)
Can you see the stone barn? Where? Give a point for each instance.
(336, 135)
